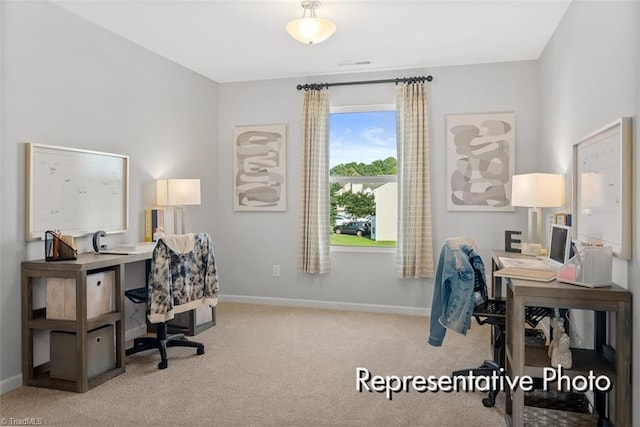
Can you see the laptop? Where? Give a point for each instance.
(541, 269)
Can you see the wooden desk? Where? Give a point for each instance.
(33, 320)
(529, 360)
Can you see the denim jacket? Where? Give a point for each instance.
(453, 293)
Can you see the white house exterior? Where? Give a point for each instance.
(386, 197)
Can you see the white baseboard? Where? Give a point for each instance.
(332, 305)
(10, 383)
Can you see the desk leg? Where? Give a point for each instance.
(508, 348)
(517, 355)
(623, 365)
(82, 357)
(496, 282)
(27, 333)
(599, 343)
(497, 333)
(119, 327)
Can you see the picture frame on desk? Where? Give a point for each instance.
(560, 219)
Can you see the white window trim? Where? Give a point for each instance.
(363, 249)
(361, 108)
(362, 179)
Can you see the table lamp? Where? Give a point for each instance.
(178, 193)
(536, 191)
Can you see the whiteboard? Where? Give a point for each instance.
(75, 191)
(602, 187)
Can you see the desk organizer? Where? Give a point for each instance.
(592, 266)
(56, 249)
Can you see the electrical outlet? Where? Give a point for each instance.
(276, 270)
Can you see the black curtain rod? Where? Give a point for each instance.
(316, 86)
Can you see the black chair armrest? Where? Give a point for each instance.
(137, 295)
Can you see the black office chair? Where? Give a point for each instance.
(162, 340)
(493, 312)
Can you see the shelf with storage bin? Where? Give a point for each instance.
(191, 322)
(584, 362)
(601, 360)
(79, 271)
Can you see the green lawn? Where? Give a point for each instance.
(348, 240)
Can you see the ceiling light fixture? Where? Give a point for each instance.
(310, 30)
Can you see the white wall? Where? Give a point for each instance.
(251, 242)
(67, 82)
(589, 76)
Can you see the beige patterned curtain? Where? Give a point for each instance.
(313, 227)
(415, 245)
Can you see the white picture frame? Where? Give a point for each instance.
(75, 191)
(480, 161)
(602, 188)
(260, 167)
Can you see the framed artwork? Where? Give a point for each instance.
(480, 161)
(602, 188)
(260, 168)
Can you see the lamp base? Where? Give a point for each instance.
(534, 233)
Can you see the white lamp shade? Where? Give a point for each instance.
(177, 192)
(537, 190)
(311, 30)
(161, 192)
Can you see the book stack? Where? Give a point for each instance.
(154, 224)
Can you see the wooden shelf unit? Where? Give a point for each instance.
(35, 320)
(602, 360)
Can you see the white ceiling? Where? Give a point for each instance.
(245, 40)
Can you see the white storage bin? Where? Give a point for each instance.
(100, 298)
(61, 296)
(203, 314)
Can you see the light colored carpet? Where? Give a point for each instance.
(279, 366)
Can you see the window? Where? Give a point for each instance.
(363, 176)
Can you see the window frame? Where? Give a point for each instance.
(362, 179)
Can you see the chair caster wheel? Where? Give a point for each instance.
(200, 351)
(488, 403)
(163, 365)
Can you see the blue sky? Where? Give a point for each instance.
(362, 137)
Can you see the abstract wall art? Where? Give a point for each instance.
(480, 161)
(260, 168)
